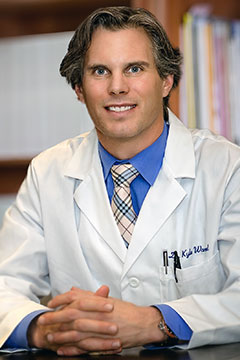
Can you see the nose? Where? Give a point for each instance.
(118, 84)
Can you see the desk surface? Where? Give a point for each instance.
(221, 352)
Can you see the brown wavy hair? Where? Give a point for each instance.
(167, 58)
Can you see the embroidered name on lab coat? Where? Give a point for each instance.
(186, 253)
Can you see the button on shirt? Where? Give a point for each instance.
(148, 162)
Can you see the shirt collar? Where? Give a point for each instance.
(148, 162)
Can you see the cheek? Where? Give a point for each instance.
(147, 88)
(92, 99)
(96, 89)
(94, 104)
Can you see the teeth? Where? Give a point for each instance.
(120, 108)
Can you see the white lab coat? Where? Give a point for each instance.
(61, 232)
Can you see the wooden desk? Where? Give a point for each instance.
(221, 352)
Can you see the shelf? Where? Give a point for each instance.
(25, 17)
(12, 173)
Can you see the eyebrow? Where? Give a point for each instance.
(95, 66)
(132, 63)
(138, 63)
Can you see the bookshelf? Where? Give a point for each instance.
(24, 17)
(170, 14)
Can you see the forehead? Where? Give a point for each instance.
(119, 45)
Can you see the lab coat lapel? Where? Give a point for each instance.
(166, 193)
(91, 194)
(161, 201)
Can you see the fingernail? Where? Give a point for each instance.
(108, 307)
(60, 352)
(113, 328)
(115, 344)
(41, 320)
(50, 337)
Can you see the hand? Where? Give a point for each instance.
(136, 325)
(91, 335)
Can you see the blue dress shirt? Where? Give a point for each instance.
(148, 162)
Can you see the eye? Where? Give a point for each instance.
(100, 71)
(135, 69)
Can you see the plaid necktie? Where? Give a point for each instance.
(122, 208)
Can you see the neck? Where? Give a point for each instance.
(126, 148)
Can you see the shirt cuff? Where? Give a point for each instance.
(18, 338)
(175, 322)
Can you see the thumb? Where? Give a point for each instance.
(103, 291)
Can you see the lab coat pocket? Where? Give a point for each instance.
(168, 288)
(206, 277)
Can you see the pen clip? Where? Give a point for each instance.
(176, 265)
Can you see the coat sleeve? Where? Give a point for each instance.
(23, 263)
(215, 318)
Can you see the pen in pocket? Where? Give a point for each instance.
(176, 264)
(165, 260)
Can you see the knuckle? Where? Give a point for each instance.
(85, 345)
(75, 336)
(102, 327)
(71, 296)
(72, 313)
(81, 325)
(71, 336)
(81, 303)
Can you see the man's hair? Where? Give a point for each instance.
(167, 59)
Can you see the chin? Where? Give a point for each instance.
(124, 135)
(125, 131)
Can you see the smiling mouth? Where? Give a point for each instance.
(120, 108)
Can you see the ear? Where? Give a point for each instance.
(167, 85)
(79, 92)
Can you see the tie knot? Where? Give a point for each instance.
(123, 174)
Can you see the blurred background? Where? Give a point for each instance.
(38, 109)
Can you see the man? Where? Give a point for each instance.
(133, 228)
